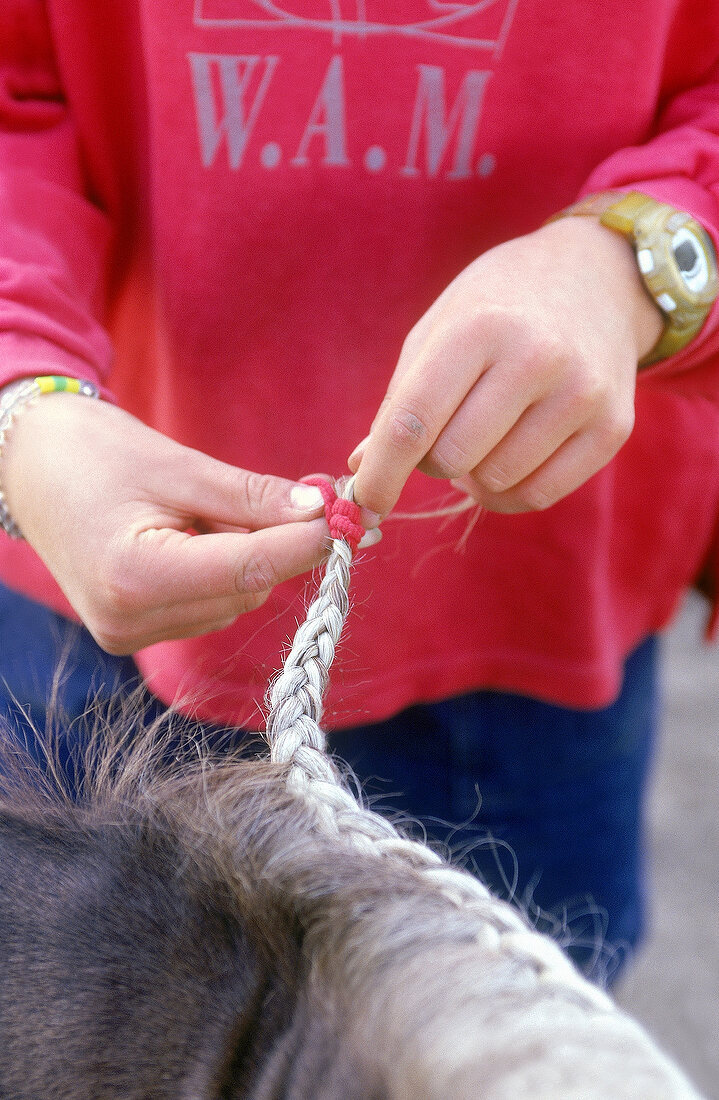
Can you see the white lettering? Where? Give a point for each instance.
(438, 129)
(327, 119)
(221, 83)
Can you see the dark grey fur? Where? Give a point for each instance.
(144, 952)
(192, 930)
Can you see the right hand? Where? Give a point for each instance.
(106, 502)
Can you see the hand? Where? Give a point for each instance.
(518, 383)
(106, 502)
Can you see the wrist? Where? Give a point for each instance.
(16, 400)
(611, 259)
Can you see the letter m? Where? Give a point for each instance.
(222, 85)
(430, 118)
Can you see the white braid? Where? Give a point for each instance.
(296, 740)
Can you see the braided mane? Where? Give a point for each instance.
(428, 987)
(554, 1006)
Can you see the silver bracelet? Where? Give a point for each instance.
(13, 398)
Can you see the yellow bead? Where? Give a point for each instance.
(52, 383)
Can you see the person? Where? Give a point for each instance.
(263, 234)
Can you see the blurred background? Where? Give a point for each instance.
(673, 985)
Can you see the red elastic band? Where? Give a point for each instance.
(343, 516)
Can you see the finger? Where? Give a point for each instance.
(368, 520)
(413, 351)
(212, 527)
(408, 423)
(214, 492)
(370, 538)
(163, 568)
(163, 624)
(428, 329)
(499, 402)
(530, 442)
(355, 458)
(578, 459)
(228, 564)
(470, 429)
(153, 608)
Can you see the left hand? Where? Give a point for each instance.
(519, 380)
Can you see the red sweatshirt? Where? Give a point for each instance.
(232, 212)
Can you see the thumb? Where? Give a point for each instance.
(215, 492)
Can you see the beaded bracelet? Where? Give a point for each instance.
(12, 399)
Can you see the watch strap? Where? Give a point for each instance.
(636, 216)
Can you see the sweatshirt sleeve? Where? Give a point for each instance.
(678, 165)
(53, 241)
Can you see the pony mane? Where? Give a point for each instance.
(440, 989)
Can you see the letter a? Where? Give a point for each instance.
(327, 119)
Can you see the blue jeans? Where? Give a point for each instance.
(543, 802)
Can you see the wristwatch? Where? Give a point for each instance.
(676, 260)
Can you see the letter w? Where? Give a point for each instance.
(430, 108)
(221, 83)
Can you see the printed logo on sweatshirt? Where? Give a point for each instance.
(440, 138)
(481, 25)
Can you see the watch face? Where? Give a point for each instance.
(691, 260)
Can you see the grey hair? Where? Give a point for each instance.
(460, 998)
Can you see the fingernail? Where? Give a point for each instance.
(306, 498)
(370, 538)
(358, 452)
(369, 519)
